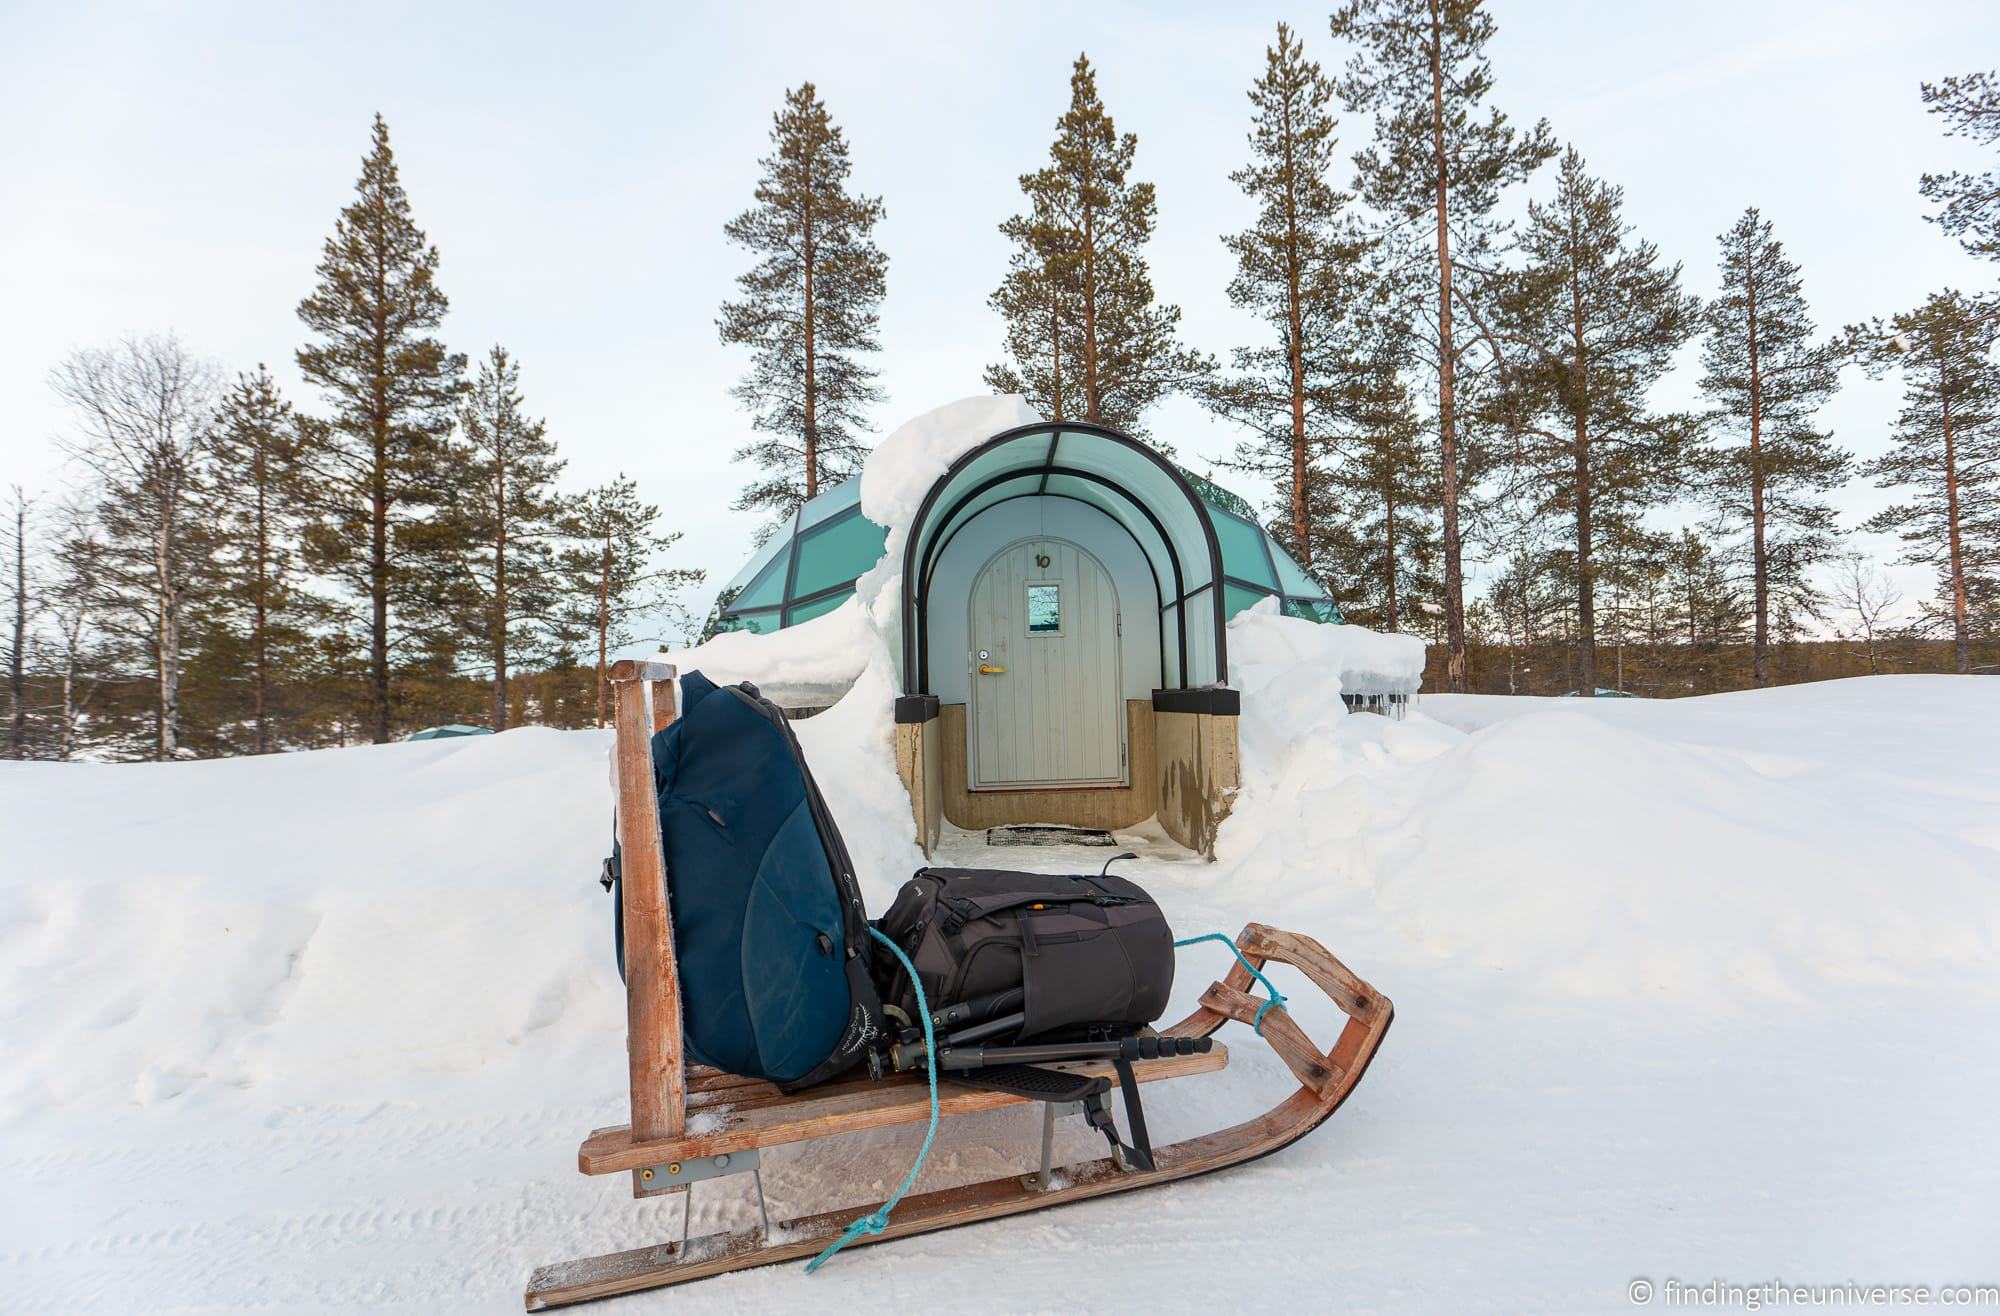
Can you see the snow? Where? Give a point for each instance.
(902, 468)
(1700, 988)
(1264, 645)
(809, 665)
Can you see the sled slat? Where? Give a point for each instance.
(652, 986)
(1310, 958)
(836, 1108)
(1306, 1061)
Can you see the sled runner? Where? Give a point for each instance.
(692, 1122)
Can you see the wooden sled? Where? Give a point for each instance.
(692, 1123)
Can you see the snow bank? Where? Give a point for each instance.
(1265, 645)
(320, 1032)
(804, 666)
(297, 924)
(1609, 852)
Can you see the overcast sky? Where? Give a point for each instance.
(178, 166)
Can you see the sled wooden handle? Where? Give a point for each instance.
(652, 987)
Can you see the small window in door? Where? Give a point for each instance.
(1045, 608)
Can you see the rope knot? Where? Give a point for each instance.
(1277, 997)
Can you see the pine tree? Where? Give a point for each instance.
(1523, 600)
(1766, 379)
(1038, 304)
(810, 308)
(1970, 203)
(615, 573)
(511, 520)
(1596, 318)
(263, 611)
(1946, 452)
(1708, 608)
(1376, 510)
(1631, 564)
(1299, 268)
(1440, 161)
(144, 408)
(80, 651)
(383, 467)
(1085, 337)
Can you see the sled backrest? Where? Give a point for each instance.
(645, 704)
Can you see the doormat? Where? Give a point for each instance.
(1045, 834)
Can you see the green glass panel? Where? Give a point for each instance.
(818, 607)
(1242, 549)
(768, 590)
(1211, 492)
(761, 623)
(835, 552)
(1321, 610)
(1235, 598)
(1292, 577)
(830, 503)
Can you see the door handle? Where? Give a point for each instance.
(989, 669)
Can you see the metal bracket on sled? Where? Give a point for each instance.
(698, 1169)
(690, 1172)
(1039, 1181)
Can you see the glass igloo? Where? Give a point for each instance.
(810, 564)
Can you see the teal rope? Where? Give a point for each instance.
(1277, 997)
(878, 1220)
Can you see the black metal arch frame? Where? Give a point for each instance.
(920, 554)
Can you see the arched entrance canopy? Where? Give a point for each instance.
(1120, 477)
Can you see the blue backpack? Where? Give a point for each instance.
(770, 936)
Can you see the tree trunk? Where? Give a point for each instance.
(1586, 603)
(378, 600)
(1295, 318)
(260, 588)
(1055, 342)
(1093, 396)
(167, 633)
(17, 683)
(1454, 572)
(1586, 584)
(603, 622)
(378, 545)
(810, 256)
(66, 735)
(1389, 560)
(500, 585)
(1960, 641)
(1760, 645)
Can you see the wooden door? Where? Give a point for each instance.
(1047, 706)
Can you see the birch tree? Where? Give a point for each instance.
(142, 409)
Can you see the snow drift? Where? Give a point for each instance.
(320, 1032)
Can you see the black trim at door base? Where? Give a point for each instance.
(1217, 699)
(916, 708)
